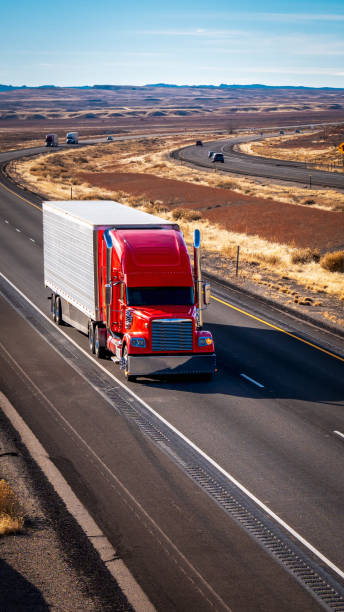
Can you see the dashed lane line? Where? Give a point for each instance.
(252, 381)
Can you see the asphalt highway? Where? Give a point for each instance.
(250, 165)
(155, 462)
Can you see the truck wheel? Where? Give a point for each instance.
(99, 350)
(58, 311)
(91, 337)
(53, 307)
(129, 377)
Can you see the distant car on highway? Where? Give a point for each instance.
(218, 157)
(199, 143)
(297, 131)
(109, 138)
(281, 131)
(210, 154)
(72, 138)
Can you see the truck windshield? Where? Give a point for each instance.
(160, 296)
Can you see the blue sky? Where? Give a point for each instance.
(79, 42)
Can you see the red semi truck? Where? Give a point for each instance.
(125, 278)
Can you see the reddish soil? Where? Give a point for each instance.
(275, 221)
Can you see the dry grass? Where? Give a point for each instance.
(11, 513)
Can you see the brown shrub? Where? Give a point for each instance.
(11, 514)
(272, 260)
(178, 213)
(334, 262)
(302, 256)
(188, 215)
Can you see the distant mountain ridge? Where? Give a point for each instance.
(168, 85)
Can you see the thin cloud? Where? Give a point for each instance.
(298, 16)
(197, 32)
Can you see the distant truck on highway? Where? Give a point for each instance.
(51, 140)
(72, 138)
(124, 277)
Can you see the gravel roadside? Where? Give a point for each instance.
(50, 564)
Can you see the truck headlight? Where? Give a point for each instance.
(141, 342)
(204, 341)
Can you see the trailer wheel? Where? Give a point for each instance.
(53, 307)
(58, 311)
(129, 377)
(98, 349)
(91, 337)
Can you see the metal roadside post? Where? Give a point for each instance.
(310, 181)
(71, 193)
(237, 262)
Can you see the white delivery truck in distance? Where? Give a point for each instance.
(72, 137)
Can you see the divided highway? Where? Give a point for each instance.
(250, 165)
(222, 495)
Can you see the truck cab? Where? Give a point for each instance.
(151, 309)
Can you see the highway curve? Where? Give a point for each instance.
(250, 165)
(222, 495)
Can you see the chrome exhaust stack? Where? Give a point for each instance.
(198, 274)
(202, 289)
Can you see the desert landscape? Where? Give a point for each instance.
(27, 114)
(290, 238)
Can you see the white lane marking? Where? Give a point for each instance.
(131, 589)
(252, 381)
(229, 477)
(32, 240)
(18, 230)
(6, 221)
(339, 433)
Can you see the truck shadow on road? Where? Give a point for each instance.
(286, 368)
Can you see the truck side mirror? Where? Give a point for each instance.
(108, 294)
(206, 293)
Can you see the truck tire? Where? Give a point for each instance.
(53, 313)
(129, 377)
(99, 350)
(91, 337)
(58, 311)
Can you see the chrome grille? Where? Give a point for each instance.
(172, 335)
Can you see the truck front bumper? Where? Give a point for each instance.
(160, 365)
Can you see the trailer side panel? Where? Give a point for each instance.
(69, 260)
